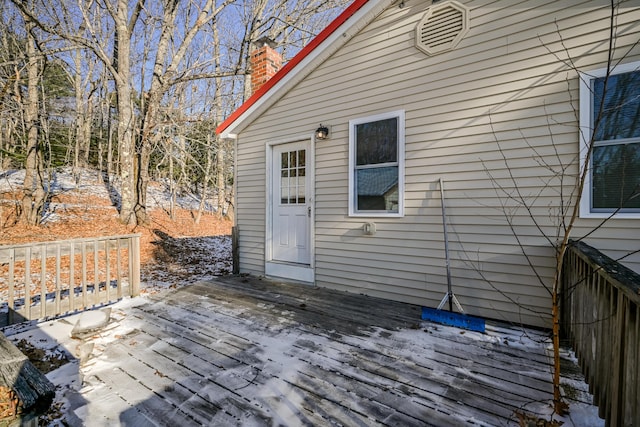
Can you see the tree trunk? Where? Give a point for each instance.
(125, 150)
(34, 197)
(81, 143)
(100, 149)
(205, 181)
(143, 157)
(172, 189)
(126, 118)
(220, 175)
(221, 158)
(110, 169)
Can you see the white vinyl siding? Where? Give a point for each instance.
(501, 92)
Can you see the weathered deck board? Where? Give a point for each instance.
(177, 386)
(500, 367)
(468, 384)
(137, 397)
(244, 351)
(232, 357)
(433, 386)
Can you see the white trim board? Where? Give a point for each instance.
(298, 273)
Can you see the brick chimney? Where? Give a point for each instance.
(265, 62)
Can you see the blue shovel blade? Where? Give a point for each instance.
(453, 319)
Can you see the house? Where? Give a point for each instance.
(497, 99)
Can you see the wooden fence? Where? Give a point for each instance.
(46, 279)
(601, 299)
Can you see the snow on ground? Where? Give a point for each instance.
(180, 261)
(92, 183)
(84, 201)
(190, 260)
(76, 403)
(55, 338)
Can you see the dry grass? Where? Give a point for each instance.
(172, 250)
(94, 218)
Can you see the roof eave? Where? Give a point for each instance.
(338, 28)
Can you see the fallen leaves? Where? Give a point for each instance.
(165, 241)
(9, 403)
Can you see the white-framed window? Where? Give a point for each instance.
(376, 165)
(610, 115)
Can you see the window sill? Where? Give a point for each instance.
(604, 215)
(375, 215)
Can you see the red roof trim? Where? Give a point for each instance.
(324, 34)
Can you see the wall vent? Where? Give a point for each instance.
(442, 27)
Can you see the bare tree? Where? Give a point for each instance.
(82, 26)
(12, 59)
(84, 91)
(165, 74)
(34, 198)
(565, 178)
(150, 51)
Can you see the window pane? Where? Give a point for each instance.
(616, 176)
(301, 189)
(620, 105)
(301, 157)
(377, 189)
(284, 190)
(377, 142)
(284, 160)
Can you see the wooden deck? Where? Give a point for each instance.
(250, 352)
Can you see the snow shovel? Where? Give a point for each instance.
(449, 317)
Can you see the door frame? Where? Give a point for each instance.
(296, 272)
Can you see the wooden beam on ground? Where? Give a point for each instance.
(27, 390)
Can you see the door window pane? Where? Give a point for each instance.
(293, 181)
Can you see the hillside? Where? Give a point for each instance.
(173, 251)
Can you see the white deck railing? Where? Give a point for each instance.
(47, 279)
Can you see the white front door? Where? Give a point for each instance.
(291, 203)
